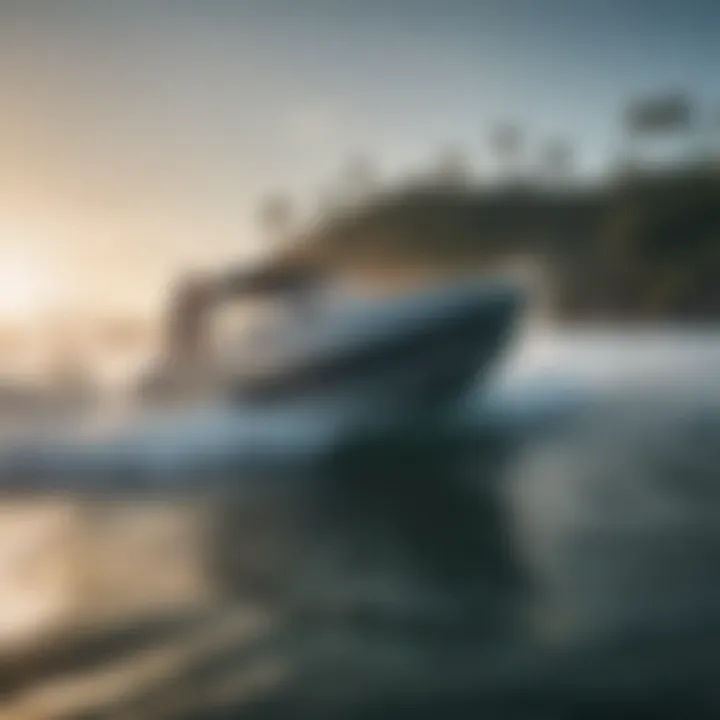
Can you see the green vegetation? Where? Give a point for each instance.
(641, 246)
(637, 245)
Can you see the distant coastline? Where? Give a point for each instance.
(639, 247)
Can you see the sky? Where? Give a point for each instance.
(137, 137)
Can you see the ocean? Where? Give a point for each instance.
(575, 575)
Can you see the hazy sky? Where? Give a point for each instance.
(137, 137)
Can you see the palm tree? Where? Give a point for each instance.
(658, 119)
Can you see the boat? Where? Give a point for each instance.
(324, 345)
(351, 367)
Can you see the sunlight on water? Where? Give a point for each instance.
(80, 562)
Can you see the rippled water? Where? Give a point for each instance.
(575, 576)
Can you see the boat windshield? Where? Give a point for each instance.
(250, 333)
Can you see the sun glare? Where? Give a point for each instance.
(22, 289)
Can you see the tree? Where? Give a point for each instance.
(659, 114)
(657, 124)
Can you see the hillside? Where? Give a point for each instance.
(639, 246)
